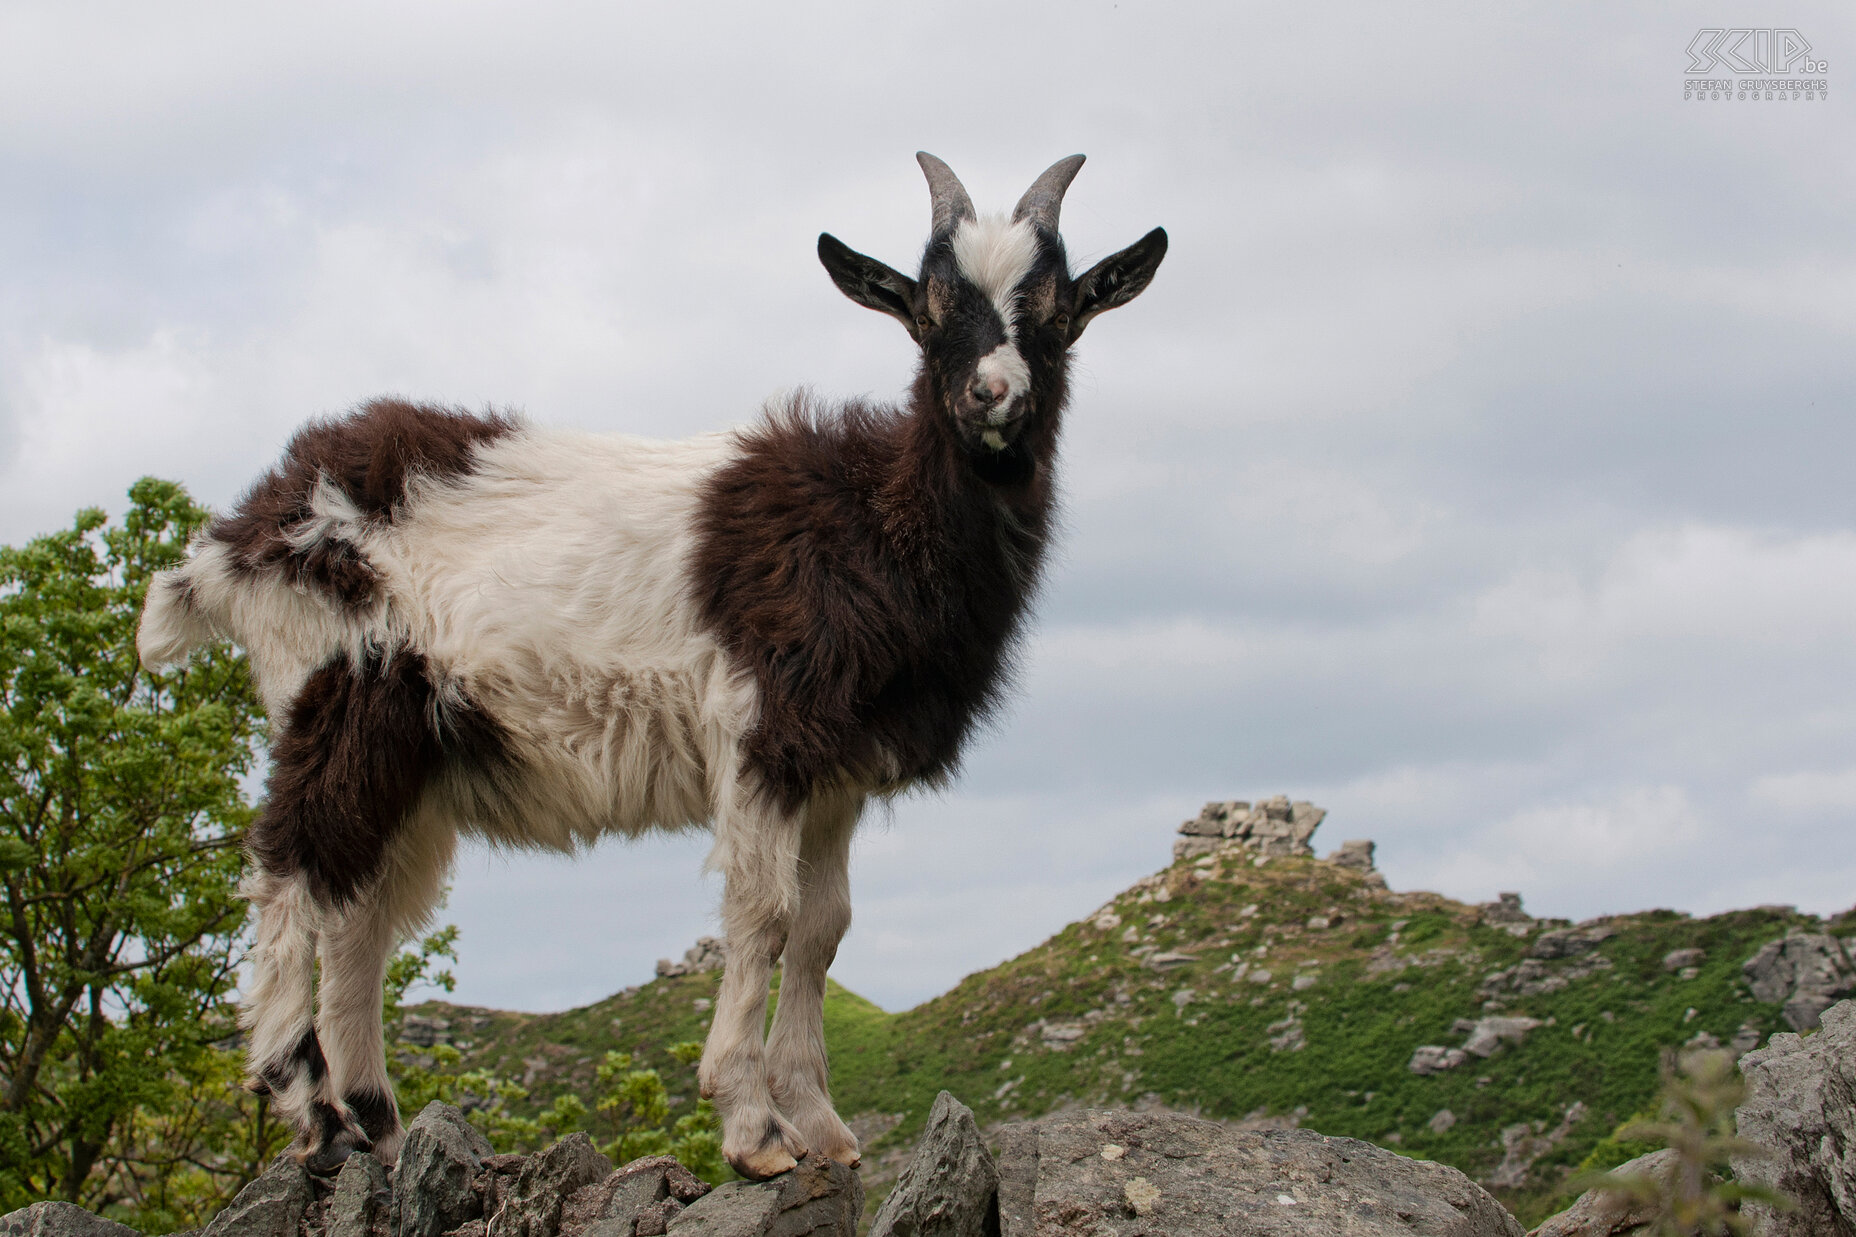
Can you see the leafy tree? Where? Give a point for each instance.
(636, 1108)
(121, 811)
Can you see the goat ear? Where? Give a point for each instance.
(1117, 279)
(869, 282)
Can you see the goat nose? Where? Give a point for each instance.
(988, 391)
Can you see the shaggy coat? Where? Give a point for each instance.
(469, 624)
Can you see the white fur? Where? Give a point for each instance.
(1004, 364)
(549, 588)
(996, 254)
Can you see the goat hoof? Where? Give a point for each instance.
(327, 1160)
(336, 1141)
(778, 1151)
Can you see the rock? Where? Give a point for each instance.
(1523, 1143)
(1213, 818)
(1614, 1213)
(1354, 853)
(641, 1198)
(439, 1161)
(1171, 958)
(1193, 847)
(1566, 942)
(423, 1032)
(1274, 827)
(1799, 1109)
(360, 1199)
(533, 1206)
(820, 1198)
(1488, 1034)
(950, 1187)
(1804, 972)
(271, 1206)
(1435, 1059)
(1061, 1035)
(707, 954)
(1504, 911)
(1683, 959)
(1087, 1173)
(60, 1219)
(1442, 1121)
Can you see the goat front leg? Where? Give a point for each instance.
(757, 853)
(797, 1070)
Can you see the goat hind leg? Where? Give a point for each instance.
(283, 1057)
(797, 1071)
(359, 1111)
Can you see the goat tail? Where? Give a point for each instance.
(172, 624)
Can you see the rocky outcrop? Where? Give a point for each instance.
(1805, 972)
(271, 1206)
(1505, 912)
(1800, 1108)
(1147, 1174)
(438, 1166)
(950, 1187)
(60, 1219)
(820, 1198)
(448, 1184)
(707, 954)
(1273, 827)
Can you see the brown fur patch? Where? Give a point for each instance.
(358, 747)
(873, 575)
(370, 454)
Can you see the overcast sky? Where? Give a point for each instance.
(1477, 466)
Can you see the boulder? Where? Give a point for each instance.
(1799, 1110)
(271, 1206)
(1615, 1213)
(60, 1219)
(1430, 1059)
(707, 954)
(361, 1199)
(820, 1198)
(950, 1187)
(1274, 827)
(438, 1163)
(1805, 972)
(548, 1178)
(1213, 818)
(1085, 1173)
(1506, 910)
(1488, 1034)
(1354, 853)
(640, 1200)
(1568, 942)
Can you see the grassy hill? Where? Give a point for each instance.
(1284, 990)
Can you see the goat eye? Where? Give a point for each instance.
(1061, 322)
(921, 320)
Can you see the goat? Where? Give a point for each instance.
(466, 623)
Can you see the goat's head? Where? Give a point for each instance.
(994, 307)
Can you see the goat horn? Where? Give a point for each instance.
(951, 203)
(1044, 199)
